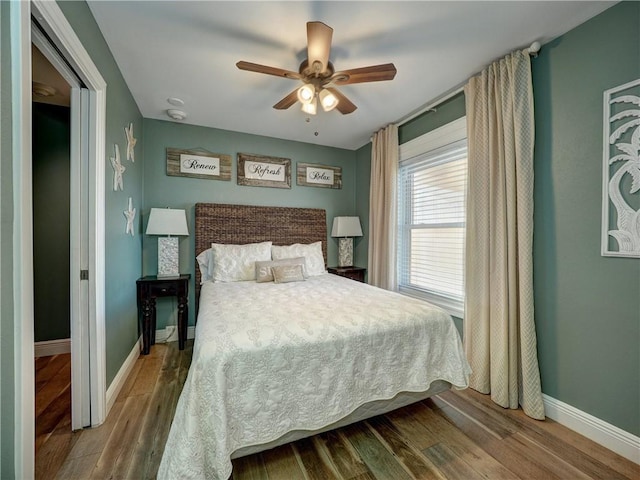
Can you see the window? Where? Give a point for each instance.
(431, 231)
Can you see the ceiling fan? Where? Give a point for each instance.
(319, 76)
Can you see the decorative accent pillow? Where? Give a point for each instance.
(204, 263)
(312, 252)
(236, 263)
(287, 273)
(263, 269)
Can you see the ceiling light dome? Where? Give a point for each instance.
(43, 90)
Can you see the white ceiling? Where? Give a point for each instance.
(189, 50)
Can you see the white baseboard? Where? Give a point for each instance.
(607, 435)
(170, 334)
(122, 375)
(52, 347)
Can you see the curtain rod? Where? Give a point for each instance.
(433, 104)
(533, 51)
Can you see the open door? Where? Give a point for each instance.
(79, 265)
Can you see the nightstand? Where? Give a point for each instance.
(354, 273)
(151, 287)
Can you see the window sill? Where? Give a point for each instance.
(454, 308)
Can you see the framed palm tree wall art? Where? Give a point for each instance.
(621, 171)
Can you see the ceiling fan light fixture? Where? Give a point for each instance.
(328, 100)
(306, 93)
(317, 73)
(311, 107)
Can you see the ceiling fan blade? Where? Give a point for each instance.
(278, 72)
(374, 73)
(345, 105)
(287, 101)
(318, 44)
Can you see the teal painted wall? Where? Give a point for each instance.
(7, 376)
(161, 190)
(123, 253)
(51, 196)
(587, 306)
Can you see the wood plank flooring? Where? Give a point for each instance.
(455, 435)
(53, 410)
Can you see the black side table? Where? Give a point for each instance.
(151, 287)
(354, 273)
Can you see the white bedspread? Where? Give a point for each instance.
(269, 358)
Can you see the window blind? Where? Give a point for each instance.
(431, 228)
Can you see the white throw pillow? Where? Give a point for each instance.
(236, 263)
(312, 253)
(204, 263)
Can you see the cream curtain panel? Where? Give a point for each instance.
(382, 208)
(499, 330)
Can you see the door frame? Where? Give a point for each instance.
(55, 25)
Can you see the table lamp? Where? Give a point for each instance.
(167, 221)
(346, 228)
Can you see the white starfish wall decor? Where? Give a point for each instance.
(130, 214)
(118, 170)
(131, 142)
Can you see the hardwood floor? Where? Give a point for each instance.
(53, 409)
(455, 435)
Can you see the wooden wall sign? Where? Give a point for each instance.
(198, 163)
(311, 175)
(263, 171)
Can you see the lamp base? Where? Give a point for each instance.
(345, 252)
(168, 258)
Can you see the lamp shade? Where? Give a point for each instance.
(306, 93)
(328, 100)
(310, 107)
(346, 227)
(167, 221)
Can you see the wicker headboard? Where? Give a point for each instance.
(239, 224)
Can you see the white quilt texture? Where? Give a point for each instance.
(269, 358)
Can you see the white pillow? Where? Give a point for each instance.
(236, 263)
(204, 263)
(312, 253)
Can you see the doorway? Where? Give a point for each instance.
(88, 164)
(51, 176)
(60, 233)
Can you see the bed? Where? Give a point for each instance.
(275, 362)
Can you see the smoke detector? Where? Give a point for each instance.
(176, 114)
